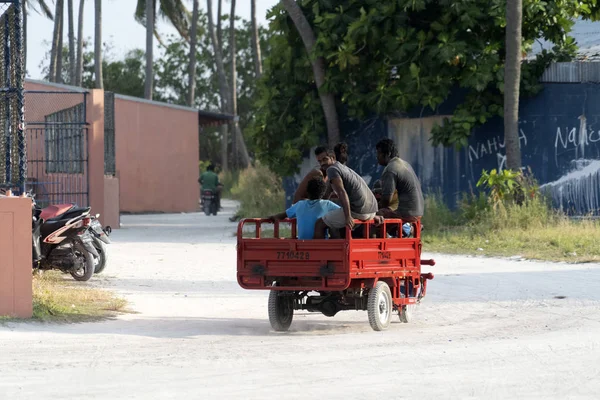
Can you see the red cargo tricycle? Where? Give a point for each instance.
(370, 271)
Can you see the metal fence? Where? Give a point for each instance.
(58, 147)
(109, 134)
(13, 159)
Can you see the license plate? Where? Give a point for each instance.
(293, 255)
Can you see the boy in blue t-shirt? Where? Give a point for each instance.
(307, 212)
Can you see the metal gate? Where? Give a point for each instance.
(57, 147)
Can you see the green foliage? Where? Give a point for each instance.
(384, 57)
(260, 193)
(501, 185)
(124, 76)
(230, 180)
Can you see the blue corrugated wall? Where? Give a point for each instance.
(560, 142)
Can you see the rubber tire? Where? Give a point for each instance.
(89, 264)
(373, 302)
(101, 249)
(213, 208)
(206, 208)
(407, 313)
(281, 311)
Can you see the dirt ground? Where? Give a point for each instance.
(489, 329)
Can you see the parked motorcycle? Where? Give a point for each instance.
(100, 240)
(61, 240)
(210, 203)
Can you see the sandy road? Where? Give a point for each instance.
(489, 329)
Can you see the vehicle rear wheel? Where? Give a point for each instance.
(379, 306)
(406, 312)
(281, 311)
(87, 269)
(214, 208)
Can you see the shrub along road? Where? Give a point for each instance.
(489, 328)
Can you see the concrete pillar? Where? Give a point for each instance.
(16, 296)
(95, 119)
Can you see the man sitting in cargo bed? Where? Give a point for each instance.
(307, 212)
(355, 197)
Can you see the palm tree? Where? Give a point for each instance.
(223, 86)
(79, 69)
(318, 67)
(55, 58)
(192, 66)
(255, 42)
(512, 79)
(43, 9)
(173, 11)
(149, 49)
(71, 43)
(98, 44)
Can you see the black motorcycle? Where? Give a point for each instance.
(210, 202)
(100, 240)
(61, 240)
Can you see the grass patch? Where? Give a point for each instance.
(57, 299)
(532, 230)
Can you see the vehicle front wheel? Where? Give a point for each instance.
(281, 311)
(379, 306)
(102, 256)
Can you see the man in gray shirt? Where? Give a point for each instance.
(399, 176)
(355, 197)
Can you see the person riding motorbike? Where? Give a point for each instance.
(210, 181)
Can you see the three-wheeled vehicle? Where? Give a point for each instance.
(370, 271)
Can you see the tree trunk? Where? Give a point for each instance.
(223, 86)
(233, 86)
(318, 67)
(239, 146)
(98, 44)
(192, 66)
(256, 42)
(54, 49)
(59, 52)
(79, 70)
(219, 27)
(71, 43)
(149, 49)
(224, 144)
(512, 79)
(24, 14)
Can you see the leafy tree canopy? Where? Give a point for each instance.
(395, 56)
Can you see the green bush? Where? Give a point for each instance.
(229, 179)
(260, 193)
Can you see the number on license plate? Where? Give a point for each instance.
(293, 255)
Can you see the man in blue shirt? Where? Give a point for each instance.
(307, 212)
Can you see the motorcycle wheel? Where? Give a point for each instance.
(87, 271)
(207, 205)
(214, 208)
(101, 249)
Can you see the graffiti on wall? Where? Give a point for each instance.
(573, 139)
(494, 147)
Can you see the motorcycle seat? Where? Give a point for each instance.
(54, 211)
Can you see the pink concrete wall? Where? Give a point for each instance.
(16, 299)
(157, 156)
